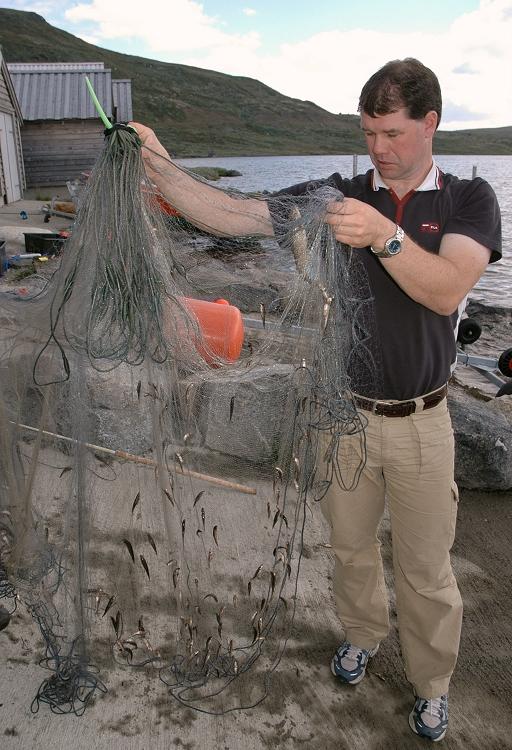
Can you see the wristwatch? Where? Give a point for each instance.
(392, 246)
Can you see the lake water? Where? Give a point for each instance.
(275, 172)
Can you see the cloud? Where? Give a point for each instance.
(167, 27)
(472, 57)
(249, 11)
(465, 69)
(457, 113)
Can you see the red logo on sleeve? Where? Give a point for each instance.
(429, 226)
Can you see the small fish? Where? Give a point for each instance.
(258, 571)
(215, 538)
(231, 407)
(263, 314)
(272, 582)
(65, 470)
(289, 570)
(179, 458)
(254, 616)
(325, 314)
(144, 565)
(198, 497)
(152, 543)
(171, 561)
(276, 517)
(278, 475)
(230, 647)
(116, 623)
(109, 604)
(210, 555)
(199, 531)
(139, 385)
(284, 519)
(169, 497)
(249, 587)
(186, 438)
(268, 509)
(259, 626)
(235, 600)
(136, 501)
(175, 576)
(141, 629)
(203, 516)
(212, 596)
(235, 667)
(129, 547)
(183, 524)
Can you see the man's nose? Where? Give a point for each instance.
(379, 144)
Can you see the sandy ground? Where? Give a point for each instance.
(306, 707)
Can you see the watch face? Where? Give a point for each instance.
(394, 247)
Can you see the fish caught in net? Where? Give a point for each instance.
(157, 440)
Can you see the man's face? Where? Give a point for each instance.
(400, 148)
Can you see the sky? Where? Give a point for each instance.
(321, 50)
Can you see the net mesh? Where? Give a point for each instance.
(143, 441)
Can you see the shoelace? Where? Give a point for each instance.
(435, 707)
(352, 652)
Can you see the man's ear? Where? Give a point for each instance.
(431, 122)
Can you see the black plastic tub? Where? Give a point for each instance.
(44, 243)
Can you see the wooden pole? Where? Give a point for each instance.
(473, 175)
(354, 165)
(145, 461)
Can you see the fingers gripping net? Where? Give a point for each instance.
(154, 483)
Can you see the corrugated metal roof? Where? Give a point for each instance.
(53, 95)
(122, 100)
(33, 67)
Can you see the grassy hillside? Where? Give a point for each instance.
(200, 112)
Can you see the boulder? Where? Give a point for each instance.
(483, 440)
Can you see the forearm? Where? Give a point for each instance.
(431, 280)
(437, 281)
(208, 207)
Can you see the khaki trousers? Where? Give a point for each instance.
(410, 462)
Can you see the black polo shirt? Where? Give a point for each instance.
(414, 346)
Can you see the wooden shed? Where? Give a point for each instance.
(62, 134)
(12, 176)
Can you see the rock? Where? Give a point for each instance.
(483, 441)
(243, 417)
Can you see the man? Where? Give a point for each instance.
(425, 239)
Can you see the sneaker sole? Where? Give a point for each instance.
(424, 736)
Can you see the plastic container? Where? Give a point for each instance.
(23, 259)
(222, 328)
(3, 258)
(43, 243)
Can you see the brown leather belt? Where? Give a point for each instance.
(402, 408)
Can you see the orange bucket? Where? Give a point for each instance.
(222, 327)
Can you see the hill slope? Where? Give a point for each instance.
(201, 112)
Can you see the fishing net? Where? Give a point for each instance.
(160, 450)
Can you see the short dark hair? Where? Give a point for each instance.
(402, 83)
